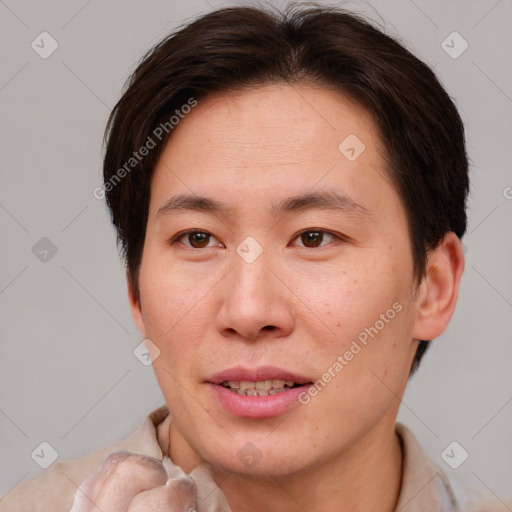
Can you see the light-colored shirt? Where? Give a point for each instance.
(425, 487)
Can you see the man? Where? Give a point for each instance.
(289, 195)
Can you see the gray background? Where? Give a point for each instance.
(68, 374)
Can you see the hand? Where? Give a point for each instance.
(131, 482)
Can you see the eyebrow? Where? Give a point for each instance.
(322, 200)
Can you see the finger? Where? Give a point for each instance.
(89, 490)
(177, 495)
(121, 477)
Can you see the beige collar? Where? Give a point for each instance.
(425, 487)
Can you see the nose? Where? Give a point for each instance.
(256, 302)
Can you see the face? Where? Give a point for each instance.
(308, 301)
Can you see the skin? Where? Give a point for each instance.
(206, 309)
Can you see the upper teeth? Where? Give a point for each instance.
(260, 388)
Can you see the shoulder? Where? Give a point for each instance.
(471, 500)
(53, 490)
(425, 485)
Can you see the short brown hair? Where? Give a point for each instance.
(238, 47)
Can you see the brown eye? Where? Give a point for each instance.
(195, 239)
(313, 238)
(198, 239)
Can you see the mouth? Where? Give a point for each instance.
(260, 388)
(263, 392)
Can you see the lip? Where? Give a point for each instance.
(257, 374)
(257, 407)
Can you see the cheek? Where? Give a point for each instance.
(372, 321)
(173, 318)
(353, 301)
(167, 293)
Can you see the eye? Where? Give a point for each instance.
(197, 239)
(312, 238)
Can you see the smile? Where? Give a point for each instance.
(259, 388)
(256, 393)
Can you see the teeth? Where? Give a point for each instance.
(259, 392)
(260, 388)
(264, 384)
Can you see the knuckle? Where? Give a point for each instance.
(123, 464)
(183, 489)
(114, 458)
(185, 484)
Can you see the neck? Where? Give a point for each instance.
(366, 477)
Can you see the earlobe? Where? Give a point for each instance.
(439, 289)
(135, 306)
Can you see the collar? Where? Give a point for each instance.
(424, 488)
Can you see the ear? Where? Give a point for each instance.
(438, 292)
(135, 307)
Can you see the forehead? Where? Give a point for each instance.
(272, 139)
(278, 116)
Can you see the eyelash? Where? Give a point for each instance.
(182, 234)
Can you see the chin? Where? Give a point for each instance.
(259, 457)
(264, 467)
